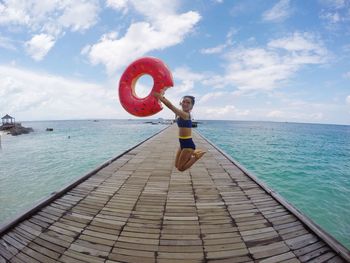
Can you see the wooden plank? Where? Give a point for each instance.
(2, 259)
(229, 246)
(184, 255)
(25, 258)
(279, 258)
(6, 251)
(227, 253)
(268, 250)
(323, 257)
(37, 255)
(180, 249)
(55, 238)
(135, 252)
(73, 256)
(129, 259)
(336, 259)
(314, 254)
(301, 241)
(145, 247)
(45, 251)
(308, 249)
(13, 242)
(49, 245)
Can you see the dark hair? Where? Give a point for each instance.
(190, 97)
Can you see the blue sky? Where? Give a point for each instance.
(269, 60)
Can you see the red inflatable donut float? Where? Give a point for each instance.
(162, 79)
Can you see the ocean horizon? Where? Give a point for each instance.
(306, 163)
(199, 120)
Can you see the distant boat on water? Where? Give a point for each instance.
(160, 121)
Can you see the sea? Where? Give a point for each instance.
(34, 165)
(308, 164)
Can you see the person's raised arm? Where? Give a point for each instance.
(160, 96)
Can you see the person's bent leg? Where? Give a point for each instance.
(184, 157)
(199, 153)
(194, 158)
(177, 158)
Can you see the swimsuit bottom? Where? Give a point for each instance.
(187, 143)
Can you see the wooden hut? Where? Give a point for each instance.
(8, 121)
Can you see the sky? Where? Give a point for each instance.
(261, 60)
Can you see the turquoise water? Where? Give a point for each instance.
(34, 165)
(308, 164)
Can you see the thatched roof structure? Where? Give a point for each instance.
(7, 119)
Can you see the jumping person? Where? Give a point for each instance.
(187, 154)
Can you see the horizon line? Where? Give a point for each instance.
(230, 120)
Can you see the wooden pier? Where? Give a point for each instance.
(138, 208)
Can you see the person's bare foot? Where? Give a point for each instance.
(198, 154)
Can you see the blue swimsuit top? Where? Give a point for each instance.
(184, 123)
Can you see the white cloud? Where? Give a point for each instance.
(299, 116)
(242, 7)
(7, 43)
(337, 4)
(50, 17)
(257, 69)
(39, 46)
(304, 48)
(348, 99)
(184, 73)
(118, 4)
(281, 108)
(213, 50)
(12, 12)
(222, 110)
(275, 114)
(225, 112)
(40, 15)
(85, 50)
(331, 17)
(220, 48)
(294, 115)
(317, 116)
(335, 14)
(267, 68)
(153, 10)
(278, 12)
(79, 15)
(38, 96)
(347, 75)
(216, 81)
(163, 28)
(286, 106)
(211, 96)
(298, 42)
(185, 80)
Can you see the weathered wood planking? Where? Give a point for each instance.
(138, 208)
